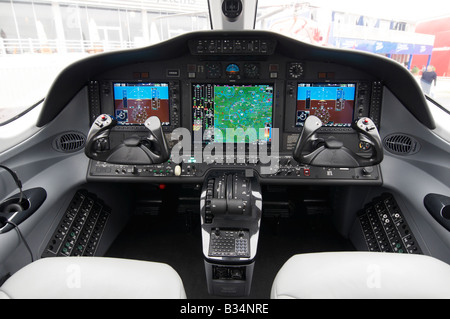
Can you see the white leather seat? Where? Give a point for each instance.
(93, 278)
(362, 275)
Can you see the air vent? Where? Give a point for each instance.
(401, 144)
(69, 142)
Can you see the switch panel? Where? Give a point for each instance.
(80, 230)
(385, 228)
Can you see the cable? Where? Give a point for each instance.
(20, 236)
(5, 221)
(17, 180)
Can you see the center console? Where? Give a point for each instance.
(231, 208)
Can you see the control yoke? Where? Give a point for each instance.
(312, 150)
(136, 149)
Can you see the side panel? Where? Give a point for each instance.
(411, 177)
(38, 164)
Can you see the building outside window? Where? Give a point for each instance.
(41, 37)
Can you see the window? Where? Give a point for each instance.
(39, 38)
(415, 34)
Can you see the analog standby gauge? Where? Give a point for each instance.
(232, 69)
(251, 71)
(296, 70)
(213, 70)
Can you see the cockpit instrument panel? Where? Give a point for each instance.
(235, 94)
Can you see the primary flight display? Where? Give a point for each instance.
(332, 103)
(134, 103)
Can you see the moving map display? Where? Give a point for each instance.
(241, 108)
(134, 103)
(332, 103)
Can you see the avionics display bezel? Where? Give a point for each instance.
(165, 118)
(322, 111)
(195, 125)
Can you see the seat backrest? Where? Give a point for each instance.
(362, 275)
(93, 278)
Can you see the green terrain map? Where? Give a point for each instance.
(242, 107)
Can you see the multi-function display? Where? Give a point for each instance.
(134, 103)
(233, 113)
(332, 103)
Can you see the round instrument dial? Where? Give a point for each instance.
(251, 71)
(213, 70)
(232, 69)
(295, 70)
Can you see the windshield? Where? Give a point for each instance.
(39, 38)
(414, 33)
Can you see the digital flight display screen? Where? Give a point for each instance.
(332, 103)
(233, 113)
(134, 103)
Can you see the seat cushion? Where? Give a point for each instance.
(361, 275)
(94, 278)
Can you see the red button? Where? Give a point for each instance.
(306, 172)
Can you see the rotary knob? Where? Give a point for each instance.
(177, 170)
(368, 170)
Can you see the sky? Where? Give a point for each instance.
(408, 10)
